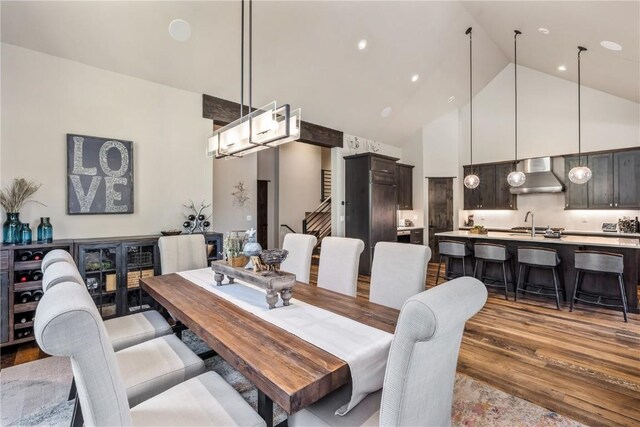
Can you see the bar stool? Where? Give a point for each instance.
(594, 262)
(452, 250)
(491, 253)
(539, 258)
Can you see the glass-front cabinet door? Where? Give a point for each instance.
(99, 267)
(140, 262)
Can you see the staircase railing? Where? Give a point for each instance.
(325, 183)
(318, 222)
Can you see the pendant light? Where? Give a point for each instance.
(261, 128)
(579, 174)
(516, 178)
(472, 180)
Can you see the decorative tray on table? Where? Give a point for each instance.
(478, 229)
(274, 282)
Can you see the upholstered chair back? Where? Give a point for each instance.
(398, 272)
(181, 253)
(68, 324)
(421, 369)
(54, 256)
(339, 262)
(298, 261)
(60, 272)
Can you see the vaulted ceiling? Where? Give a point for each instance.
(305, 52)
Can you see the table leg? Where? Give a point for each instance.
(265, 408)
(272, 298)
(285, 294)
(218, 278)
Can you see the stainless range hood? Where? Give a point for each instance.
(539, 178)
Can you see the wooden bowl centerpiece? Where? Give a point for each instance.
(478, 229)
(273, 257)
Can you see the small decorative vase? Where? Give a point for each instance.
(45, 230)
(11, 228)
(27, 236)
(251, 248)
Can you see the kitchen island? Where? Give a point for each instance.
(566, 247)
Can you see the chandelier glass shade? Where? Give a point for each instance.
(471, 181)
(580, 175)
(516, 178)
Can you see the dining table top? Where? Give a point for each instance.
(287, 369)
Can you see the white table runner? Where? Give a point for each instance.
(363, 347)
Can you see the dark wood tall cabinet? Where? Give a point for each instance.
(370, 202)
(405, 186)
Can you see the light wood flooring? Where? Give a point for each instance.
(584, 364)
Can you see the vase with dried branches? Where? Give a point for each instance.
(12, 198)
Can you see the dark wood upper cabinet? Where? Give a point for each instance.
(504, 198)
(576, 195)
(626, 179)
(471, 196)
(615, 183)
(600, 186)
(405, 186)
(487, 187)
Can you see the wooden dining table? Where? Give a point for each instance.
(284, 368)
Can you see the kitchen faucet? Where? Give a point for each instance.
(533, 228)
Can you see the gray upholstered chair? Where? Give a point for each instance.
(55, 256)
(421, 370)
(68, 324)
(398, 272)
(298, 261)
(124, 331)
(182, 253)
(339, 262)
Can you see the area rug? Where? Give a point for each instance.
(35, 394)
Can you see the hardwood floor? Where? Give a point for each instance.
(584, 364)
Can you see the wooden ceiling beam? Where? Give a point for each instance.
(223, 112)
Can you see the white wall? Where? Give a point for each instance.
(299, 182)
(547, 126)
(412, 154)
(45, 97)
(337, 173)
(227, 173)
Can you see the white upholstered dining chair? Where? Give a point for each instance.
(398, 272)
(54, 256)
(298, 261)
(68, 324)
(182, 253)
(339, 262)
(421, 369)
(124, 331)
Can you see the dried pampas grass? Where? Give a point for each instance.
(13, 197)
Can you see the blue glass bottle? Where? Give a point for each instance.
(45, 230)
(11, 228)
(27, 236)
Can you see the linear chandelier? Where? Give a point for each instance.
(269, 126)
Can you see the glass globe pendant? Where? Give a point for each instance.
(580, 174)
(471, 181)
(516, 178)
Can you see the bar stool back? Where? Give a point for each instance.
(595, 262)
(539, 258)
(488, 253)
(452, 250)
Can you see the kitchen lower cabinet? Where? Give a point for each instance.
(417, 236)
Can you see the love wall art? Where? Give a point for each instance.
(99, 175)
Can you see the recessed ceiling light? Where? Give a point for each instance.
(386, 112)
(415, 78)
(452, 98)
(562, 68)
(611, 45)
(180, 30)
(362, 44)
(543, 30)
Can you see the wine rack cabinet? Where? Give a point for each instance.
(21, 288)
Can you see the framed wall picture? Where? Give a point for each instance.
(99, 175)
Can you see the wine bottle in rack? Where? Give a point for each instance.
(24, 297)
(19, 335)
(37, 256)
(36, 295)
(23, 277)
(24, 255)
(22, 319)
(36, 275)
(27, 333)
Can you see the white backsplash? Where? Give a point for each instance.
(548, 209)
(415, 216)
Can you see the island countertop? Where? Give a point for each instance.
(613, 242)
